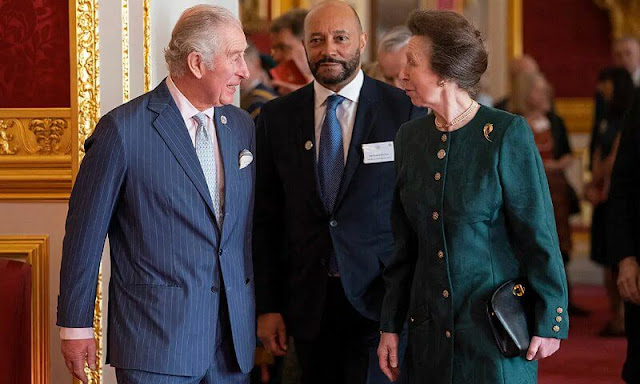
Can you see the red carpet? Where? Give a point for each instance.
(585, 357)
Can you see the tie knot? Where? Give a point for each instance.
(201, 119)
(333, 101)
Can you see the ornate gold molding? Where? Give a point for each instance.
(86, 38)
(86, 108)
(577, 113)
(35, 153)
(126, 87)
(146, 21)
(34, 250)
(624, 16)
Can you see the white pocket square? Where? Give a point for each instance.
(245, 158)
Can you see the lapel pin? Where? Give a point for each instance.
(223, 119)
(488, 128)
(308, 145)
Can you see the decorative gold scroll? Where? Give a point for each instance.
(146, 21)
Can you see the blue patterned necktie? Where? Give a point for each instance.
(206, 155)
(331, 164)
(330, 154)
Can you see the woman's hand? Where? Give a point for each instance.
(541, 347)
(388, 355)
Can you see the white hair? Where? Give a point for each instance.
(197, 30)
(394, 40)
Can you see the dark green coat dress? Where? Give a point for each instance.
(471, 210)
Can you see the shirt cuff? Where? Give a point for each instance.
(76, 333)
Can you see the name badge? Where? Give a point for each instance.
(378, 152)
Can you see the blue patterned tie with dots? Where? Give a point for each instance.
(206, 155)
(331, 154)
(331, 163)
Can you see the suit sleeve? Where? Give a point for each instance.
(623, 195)
(91, 206)
(532, 228)
(398, 274)
(268, 229)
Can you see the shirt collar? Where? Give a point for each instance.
(187, 110)
(350, 91)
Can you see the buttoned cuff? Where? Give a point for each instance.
(554, 323)
(76, 333)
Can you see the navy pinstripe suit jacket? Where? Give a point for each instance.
(142, 184)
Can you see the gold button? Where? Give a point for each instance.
(437, 176)
(448, 334)
(559, 310)
(558, 318)
(435, 215)
(445, 294)
(444, 138)
(440, 254)
(441, 154)
(556, 328)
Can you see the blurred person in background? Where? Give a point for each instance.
(255, 90)
(392, 54)
(615, 89)
(286, 34)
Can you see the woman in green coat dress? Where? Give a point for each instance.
(471, 211)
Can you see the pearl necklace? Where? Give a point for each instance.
(458, 118)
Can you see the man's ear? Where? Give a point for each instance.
(363, 41)
(195, 64)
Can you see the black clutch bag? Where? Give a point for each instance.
(511, 312)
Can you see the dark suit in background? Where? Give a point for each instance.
(624, 221)
(294, 235)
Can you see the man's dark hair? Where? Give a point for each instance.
(292, 20)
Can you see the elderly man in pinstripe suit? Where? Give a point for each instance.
(169, 177)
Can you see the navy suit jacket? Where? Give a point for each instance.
(142, 184)
(293, 233)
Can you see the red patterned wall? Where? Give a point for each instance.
(571, 41)
(34, 53)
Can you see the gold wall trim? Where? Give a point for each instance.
(514, 27)
(36, 146)
(577, 113)
(146, 20)
(126, 85)
(34, 249)
(84, 21)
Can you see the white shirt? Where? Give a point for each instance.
(635, 76)
(346, 111)
(187, 111)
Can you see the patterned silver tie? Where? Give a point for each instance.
(206, 155)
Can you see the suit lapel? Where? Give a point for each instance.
(229, 152)
(305, 132)
(365, 117)
(173, 131)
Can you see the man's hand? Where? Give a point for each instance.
(76, 353)
(628, 279)
(388, 355)
(272, 333)
(541, 347)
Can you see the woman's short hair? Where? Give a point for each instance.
(457, 49)
(197, 30)
(394, 40)
(521, 89)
